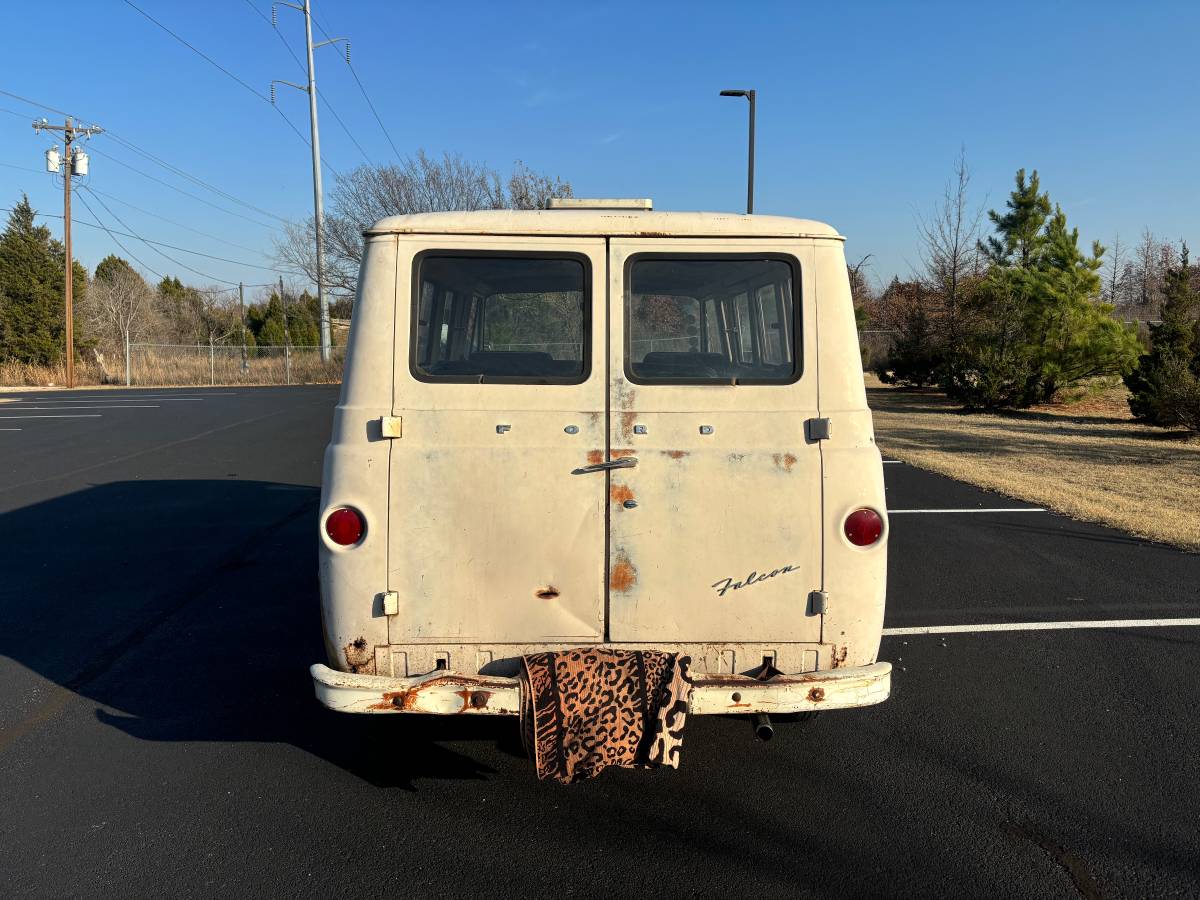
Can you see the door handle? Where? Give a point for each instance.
(625, 462)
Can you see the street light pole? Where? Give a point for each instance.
(749, 95)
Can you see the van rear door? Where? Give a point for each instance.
(715, 533)
(500, 379)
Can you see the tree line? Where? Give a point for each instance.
(1022, 315)
(115, 304)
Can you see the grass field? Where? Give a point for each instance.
(1089, 460)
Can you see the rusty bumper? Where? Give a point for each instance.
(450, 693)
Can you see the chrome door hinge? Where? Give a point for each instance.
(818, 429)
(391, 426)
(818, 603)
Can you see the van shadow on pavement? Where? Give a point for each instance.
(188, 611)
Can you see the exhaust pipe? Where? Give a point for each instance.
(763, 729)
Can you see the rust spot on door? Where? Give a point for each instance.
(617, 454)
(620, 493)
(549, 592)
(595, 457)
(676, 454)
(784, 461)
(628, 420)
(623, 576)
(839, 656)
(360, 657)
(816, 694)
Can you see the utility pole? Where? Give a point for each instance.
(318, 206)
(242, 322)
(73, 162)
(287, 338)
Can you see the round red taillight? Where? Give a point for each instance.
(863, 527)
(345, 526)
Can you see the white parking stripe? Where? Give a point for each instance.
(71, 416)
(1043, 626)
(91, 406)
(1001, 509)
(134, 399)
(10, 429)
(893, 462)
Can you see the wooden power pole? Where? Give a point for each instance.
(73, 162)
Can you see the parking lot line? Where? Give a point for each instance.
(91, 406)
(1042, 626)
(999, 509)
(72, 399)
(893, 462)
(69, 416)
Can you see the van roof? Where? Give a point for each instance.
(601, 223)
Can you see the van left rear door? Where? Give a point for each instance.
(500, 384)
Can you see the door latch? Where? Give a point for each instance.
(818, 603)
(391, 426)
(818, 429)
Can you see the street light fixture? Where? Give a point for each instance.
(749, 95)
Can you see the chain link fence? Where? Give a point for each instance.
(213, 364)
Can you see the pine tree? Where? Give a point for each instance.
(1019, 231)
(107, 268)
(31, 289)
(1038, 327)
(1174, 351)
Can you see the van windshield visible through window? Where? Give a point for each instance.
(728, 320)
(501, 318)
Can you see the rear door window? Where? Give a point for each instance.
(516, 318)
(727, 319)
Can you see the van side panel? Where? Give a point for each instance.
(854, 577)
(356, 472)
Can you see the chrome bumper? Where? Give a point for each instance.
(449, 693)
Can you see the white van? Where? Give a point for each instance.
(602, 425)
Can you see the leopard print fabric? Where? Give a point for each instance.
(587, 709)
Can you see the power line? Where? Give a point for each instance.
(158, 161)
(20, 168)
(100, 226)
(181, 190)
(213, 62)
(35, 103)
(171, 221)
(236, 262)
(151, 245)
(363, 90)
(216, 190)
(115, 239)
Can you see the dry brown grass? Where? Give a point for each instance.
(185, 367)
(1088, 459)
(17, 374)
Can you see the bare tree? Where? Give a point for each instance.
(950, 255)
(418, 184)
(216, 313)
(1116, 267)
(119, 307)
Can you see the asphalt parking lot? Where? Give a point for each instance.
(158, 734)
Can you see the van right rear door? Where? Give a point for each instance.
(715, 533)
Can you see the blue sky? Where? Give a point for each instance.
(862, 109)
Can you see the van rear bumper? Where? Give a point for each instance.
(444, 692)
